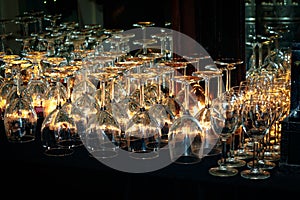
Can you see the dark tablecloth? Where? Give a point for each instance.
(27, 172)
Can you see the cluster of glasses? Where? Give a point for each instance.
(254, 109)
(43, 32)
(114, 91)
(106, 96)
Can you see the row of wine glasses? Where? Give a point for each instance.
(256, 105)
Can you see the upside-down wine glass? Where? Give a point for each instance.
(186, 137)
(20, 119)
(142, 132)
(227, 65)
(162, 113)
(103, 130)
(203, 115)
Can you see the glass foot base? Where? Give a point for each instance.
(24, 139)
(144, 155)
(233, 162)
(223, 171)
(58, 152)
(187, 160)
(262, 164)
(214, 152)
(103, 154)
(255, 174)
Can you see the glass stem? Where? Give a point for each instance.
(102, 94)
(224, 152)
(242, 140)
(255, 156)
(112, 94)
(58, 92)
(220, 85)
(68, 87)
(18, 84)
(159, 88)
(172, 85)
(260, 57)
(186, 96)
(163, 47)
(128, 86)
(228, 78)
(232, 144)
(207, 99)
(141, 84)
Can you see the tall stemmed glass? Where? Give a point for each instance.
(186, 137)
(282, 87)
(266, 154)
(20, 118)
(58, 131)
(59, 134)
(232, 160)
(166, 43)
(257, 118)
(103, 130)
(37, 88)
(162, 113)
(127, 106)
(227, 65)
(211, 146)
(144, 42)
(224, 122)
(143, 132)
(67, 106)
(241, 92)
(84, 104)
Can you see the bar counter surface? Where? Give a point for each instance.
(27, 172)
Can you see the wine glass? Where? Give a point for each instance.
(36, 88)
(55, 94)
(143, 25)
(161, 112)
(203, 115)
(142, 132)
(83, 110)
(127, 105)
(227, 65)
(102, 134)
(186, 137)
(232, 160)
(20, 120)
(103, 130)
(241, 92)
(224, 122)
(166, 43)
(258, 115)
(57, 133)
(5, 89)
(267, 156)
